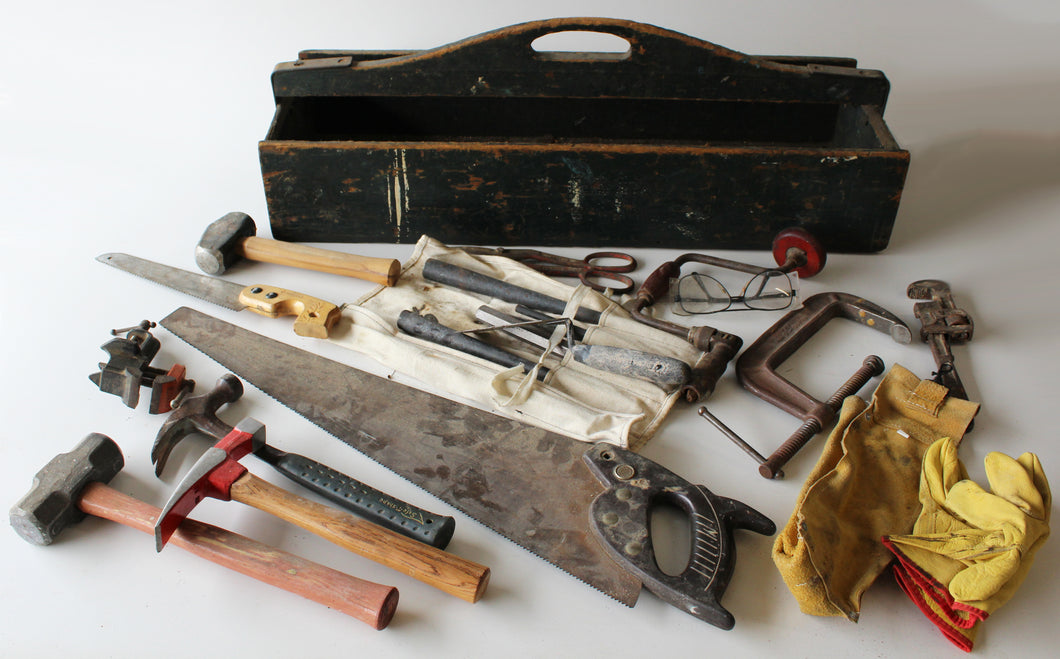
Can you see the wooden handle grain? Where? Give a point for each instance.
(366, 601)
(379, 270)
(447, 572)
(313, 317)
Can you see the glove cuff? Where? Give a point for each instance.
(920, 409)
(924, 600)
(957, 613)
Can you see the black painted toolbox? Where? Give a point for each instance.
(676, 143)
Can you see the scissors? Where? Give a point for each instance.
(597, 277)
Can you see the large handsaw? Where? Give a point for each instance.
(583, 508)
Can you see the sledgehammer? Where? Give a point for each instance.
(74, 484)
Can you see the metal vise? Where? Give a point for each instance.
(128, 369)
(756, 367)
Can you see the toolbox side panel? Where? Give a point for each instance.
(580, 195)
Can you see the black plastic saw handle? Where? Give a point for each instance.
(621, 519)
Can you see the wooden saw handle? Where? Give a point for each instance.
(313, 317)
(447, 572)
(379, 270)
(366, 601)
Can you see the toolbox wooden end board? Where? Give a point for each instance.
(675, 143)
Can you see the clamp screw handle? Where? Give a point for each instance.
(870, 368)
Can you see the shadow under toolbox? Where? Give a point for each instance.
(675, 143)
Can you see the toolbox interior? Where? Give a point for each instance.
(568, 120)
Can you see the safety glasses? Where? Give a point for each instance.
(699, 293)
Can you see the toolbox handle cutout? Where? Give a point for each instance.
(590, 45)
(503, 63)
(644, 43)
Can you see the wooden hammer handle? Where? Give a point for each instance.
(368, 602)
(374, 269)
(447, 572)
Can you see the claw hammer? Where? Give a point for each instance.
(199, 413)
(219, 475)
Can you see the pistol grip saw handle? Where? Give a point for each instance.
(621, 520)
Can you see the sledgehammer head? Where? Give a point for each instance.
(218, 249)
(51, 504)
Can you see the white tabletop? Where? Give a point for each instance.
(129, 126)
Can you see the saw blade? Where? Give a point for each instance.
(217, 291)
(524, 482)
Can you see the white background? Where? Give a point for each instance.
(129, 126)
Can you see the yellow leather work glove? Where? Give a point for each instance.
(971, 549)
(865, 486)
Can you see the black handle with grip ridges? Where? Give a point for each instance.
(362, 500)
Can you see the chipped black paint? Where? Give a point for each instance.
(680, 144)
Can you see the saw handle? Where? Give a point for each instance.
(379, 270)
(314, 317)
(447, 572)
(366, 601)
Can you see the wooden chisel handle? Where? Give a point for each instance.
(379, 270)
(447, 572)
(366, 601)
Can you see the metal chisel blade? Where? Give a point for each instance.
(526, 483)
(510, 325)
(213, 290)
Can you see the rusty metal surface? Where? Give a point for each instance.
(128, 369)
(943, 325)
(756, 369)
(523, 482)
(677, 143)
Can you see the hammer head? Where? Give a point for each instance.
(196, 414)
(219, 246)
(51, 504)
(212, 476)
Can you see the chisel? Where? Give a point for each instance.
(666, 372)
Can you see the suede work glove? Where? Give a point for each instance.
(864, 486)
(970, 549)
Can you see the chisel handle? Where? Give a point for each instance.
(369, 602)
(476, 282)
(360, 499)
(666, 372)
(447, 572)
(427, 327)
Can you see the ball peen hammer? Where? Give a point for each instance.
(73, 485)
(219, 475)
(233, 237)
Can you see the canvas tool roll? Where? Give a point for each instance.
(572, 399)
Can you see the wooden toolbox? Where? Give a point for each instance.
(675, 143)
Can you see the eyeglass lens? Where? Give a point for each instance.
(768, 291)
(698, 293)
